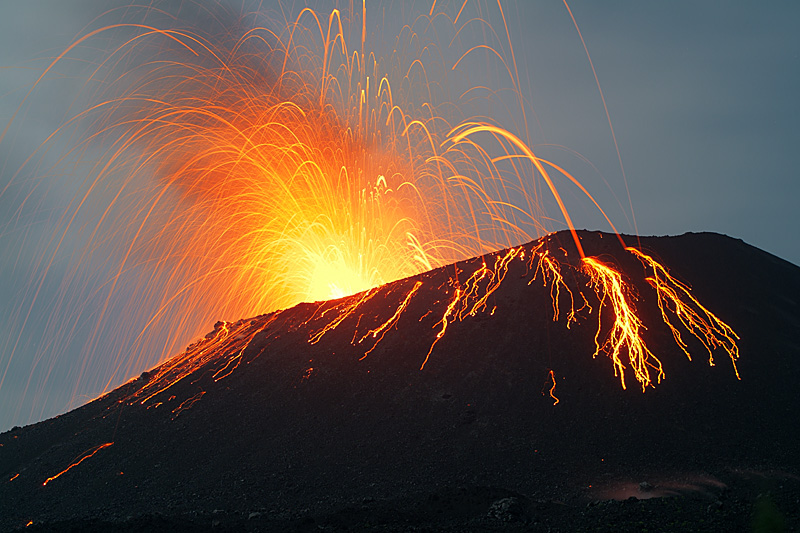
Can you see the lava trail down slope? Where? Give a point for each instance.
(324, 408)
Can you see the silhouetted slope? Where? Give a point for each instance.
(273, 435)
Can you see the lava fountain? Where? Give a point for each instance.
(241, 165)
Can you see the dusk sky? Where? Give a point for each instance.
(702, 95)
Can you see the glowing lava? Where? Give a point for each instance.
(234, 170)
(676, 301)
(86, 455)
(625, 334)
(605, 297)
(552, 389)
(242, 171)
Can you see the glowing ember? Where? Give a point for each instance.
(552, 389)
(443, 322)
(186, 404)
(223, 350)
(551, 274)
(471, 298)
(86, 455)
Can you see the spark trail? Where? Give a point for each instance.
(87, 455)
(551, 391)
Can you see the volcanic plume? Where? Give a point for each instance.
(322, 412)
(222, 163)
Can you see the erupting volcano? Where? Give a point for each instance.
(319, 415)
(236, 172)
(382, 202)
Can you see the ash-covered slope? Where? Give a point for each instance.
(282, 416)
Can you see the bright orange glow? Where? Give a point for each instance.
(243, 171)
(234, 173)
(676, 300)
(552, 390)
(86, 455)
(624, 336)
(15, 476)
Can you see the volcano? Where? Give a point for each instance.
(320, 417)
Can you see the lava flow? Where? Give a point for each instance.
(88, 454)
(606, 299)
(676, 300)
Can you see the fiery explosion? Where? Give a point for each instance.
(247, 169)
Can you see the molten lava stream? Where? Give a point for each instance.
(86, 455)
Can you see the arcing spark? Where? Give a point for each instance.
(244, 166)
(86, 455)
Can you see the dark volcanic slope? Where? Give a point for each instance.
(294, 429)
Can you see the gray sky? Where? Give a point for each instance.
(702, 96)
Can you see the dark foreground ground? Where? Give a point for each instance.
(737, 501)
(267, 431)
